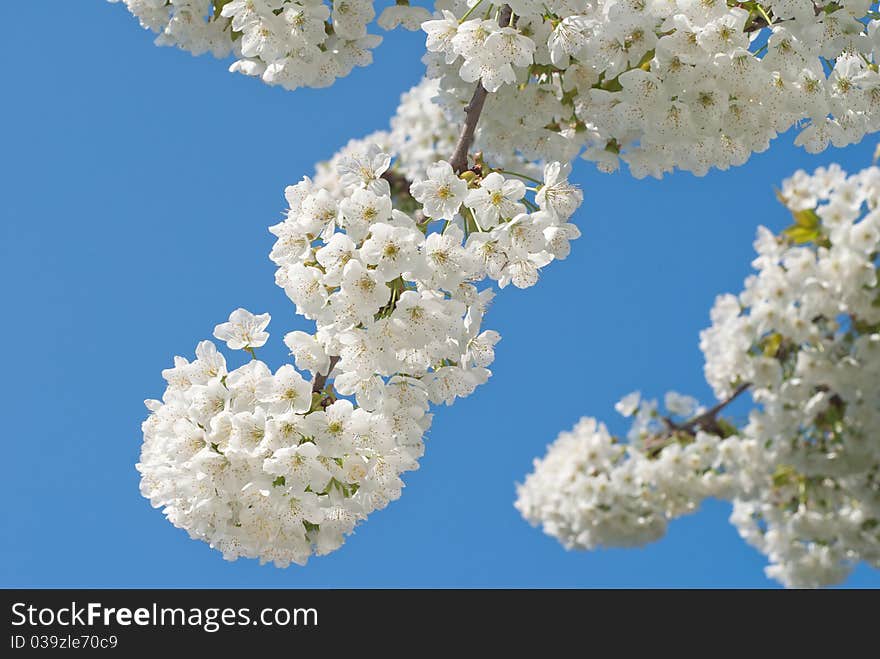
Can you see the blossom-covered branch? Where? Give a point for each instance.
(707, 420)
(385, 249)
(281, 465)
(472, 110)
(658, 86)
(803, 471)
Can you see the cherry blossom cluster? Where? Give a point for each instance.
(394, 291)
(803, 472)
(684, 84)
(292, 43)
(594, 490)
(689, 84)
(277, 466)
(260, 466)
(811, 318)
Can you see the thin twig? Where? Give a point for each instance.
(398, 182)
(459, 159)
(709, 416)
(321, 379)
(760, 22)
(707, 421)
(459, 162)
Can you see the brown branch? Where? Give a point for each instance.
(472, 110)
(398, 183)
(401, 195)
(459, 162)
(707, 418)
(321, 379)
(707, 421)
(459, 159)
(758, 23)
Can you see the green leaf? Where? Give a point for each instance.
(727, 428)
(784, 475)
(831, 7)
(612, 85)
(801, 234)
(770, 344)
(806, 218)
(217, 6)
(280, 481)
(863, 327)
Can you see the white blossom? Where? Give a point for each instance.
(243, 330)
(441, 193)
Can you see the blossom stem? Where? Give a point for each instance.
(469, 12)
(763, 13)
(459, 159)
(321, 379)
(523, 176)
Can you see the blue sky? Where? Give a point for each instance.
(137, 184)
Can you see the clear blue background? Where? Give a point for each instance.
(136, 185)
